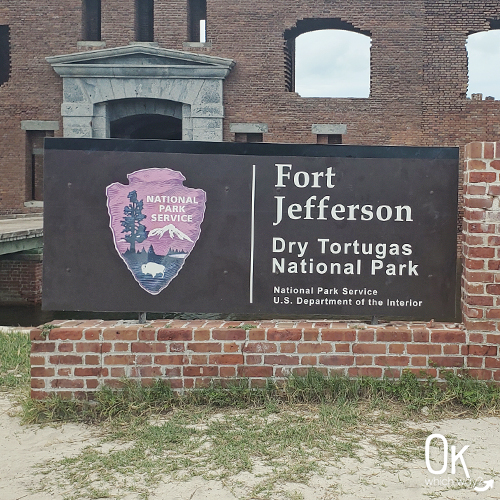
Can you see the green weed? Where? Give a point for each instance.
(14, 359)
(46, 329)
(133, 400)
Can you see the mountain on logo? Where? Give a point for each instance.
(172, 231)
(155, 253)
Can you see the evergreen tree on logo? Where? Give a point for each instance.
(132, 221)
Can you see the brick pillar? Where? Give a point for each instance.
(481, 245)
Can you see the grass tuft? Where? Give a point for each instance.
(14, 360)
(133, 400)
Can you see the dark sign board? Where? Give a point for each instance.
(164, 226)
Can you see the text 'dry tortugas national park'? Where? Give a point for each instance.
(220, 196)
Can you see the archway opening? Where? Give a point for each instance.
(327, 57)
(147, 126)
(332, 63)
(483, 54)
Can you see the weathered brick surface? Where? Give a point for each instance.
(20, 280)
(481, 267)
(417, 95)
(60, 363)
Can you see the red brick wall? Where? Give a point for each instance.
(78, 357)
(418, 70)
(34, 91)
(20, 282)
(481, 248)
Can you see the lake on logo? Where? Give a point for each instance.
(155, 221)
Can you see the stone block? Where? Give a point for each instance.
(328, 129)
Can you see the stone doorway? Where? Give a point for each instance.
(182, 87)
(144, 119)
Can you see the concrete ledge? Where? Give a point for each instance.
(189, 45)
(30, 255)
(21, 244)
(20, 216)
(18, 234)
(33, 204)
(325, 129)
(16, 329)
(248, 128)
(77, 357)
(88, 44)
(39, 125)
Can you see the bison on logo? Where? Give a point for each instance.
(155, 221)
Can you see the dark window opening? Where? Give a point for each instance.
(329, 139)
(34, 163)
(144, 20)
(147, 127)
(248, 137)
(91, 20)
(197, 20)
(4, 54)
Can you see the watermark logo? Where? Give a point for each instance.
(478, 485)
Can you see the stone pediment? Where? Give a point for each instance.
(137, 60)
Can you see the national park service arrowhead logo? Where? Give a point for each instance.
(155, 221)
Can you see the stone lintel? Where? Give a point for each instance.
(197, 45)
(328, 129)
(248, 128)
(39, 125)
(90, 44)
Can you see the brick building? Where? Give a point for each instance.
(82, 68)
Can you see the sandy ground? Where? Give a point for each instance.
(23, 447)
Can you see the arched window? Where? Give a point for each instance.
(483, 53)
(327, 58)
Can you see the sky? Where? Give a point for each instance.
(347, 72)
(484, 63)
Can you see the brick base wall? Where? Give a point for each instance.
(481, 240)
(20, 281)
(77, 357)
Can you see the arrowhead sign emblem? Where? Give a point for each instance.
(155, 221)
